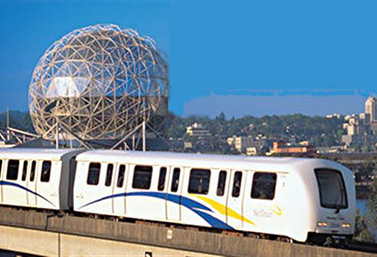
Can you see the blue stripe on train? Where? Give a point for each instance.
(7, 183)
(192, 205)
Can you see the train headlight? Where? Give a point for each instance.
(322, 224)
(346, 225)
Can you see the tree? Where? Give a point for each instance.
(361, 229)
(366, 149)
(372, 206)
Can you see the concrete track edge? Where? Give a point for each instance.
(194, 242)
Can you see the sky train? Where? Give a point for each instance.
(295, 198)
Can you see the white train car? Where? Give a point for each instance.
(36, 178)
(301, 199)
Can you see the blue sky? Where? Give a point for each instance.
(248, 57)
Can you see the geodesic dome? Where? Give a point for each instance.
(99, 82)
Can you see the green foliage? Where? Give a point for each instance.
(357, 148)
(361, 228)
(372, 205)
(366, 149)
(366, 226)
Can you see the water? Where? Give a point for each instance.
(362, 205)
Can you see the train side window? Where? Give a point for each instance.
(32, 171)
(109, 174)
(122, 169)
(221, 183)
(263, 185)
(1, 166)
(12, 172)
(142, 177)
(161, 179)
(46, 171)
(24, 171)
(175, 180)
(199, 181)
(93, 173)
(237, 184)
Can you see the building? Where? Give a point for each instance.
(187, 146)
(357, 124)
(331, 149)
(358, 130)
(197, 130)
(361, 129)
(251, 151)
(371, 110)
(334, 116)
(280, 147)
(249, 145)
(241, 143)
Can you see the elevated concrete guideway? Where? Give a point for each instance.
(42, 234)
(45, 243)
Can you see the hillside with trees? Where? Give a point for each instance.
(319, 131)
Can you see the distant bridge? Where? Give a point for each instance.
(40, 233)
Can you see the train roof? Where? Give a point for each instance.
(283, 164)
(93, 154)
(189, 159)
(36, 153)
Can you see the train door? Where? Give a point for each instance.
(23, 182)
(162, 189)
(220, 182)
(249, 205)
(106, 186)
(32, 183)
(12, 192)
(87, 187)
(119, 190)
(235, 199)
(71, 180)
(173, 198)
(140, 204)
(48, 177)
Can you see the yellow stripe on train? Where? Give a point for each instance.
(221, 208)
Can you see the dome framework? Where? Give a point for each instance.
(99, 83)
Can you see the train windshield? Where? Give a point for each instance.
(331, 188)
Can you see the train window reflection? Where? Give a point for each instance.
(221, 183)
(109, 174)
(263, 185)
(93, 173)
(24, 171)
(122, 169)
(142, 177)
(199, 181)
(237, 184)
(46, 171)
(175, 180)
(32, 171)
(161, 179)
(12, 172)
(1, 166)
